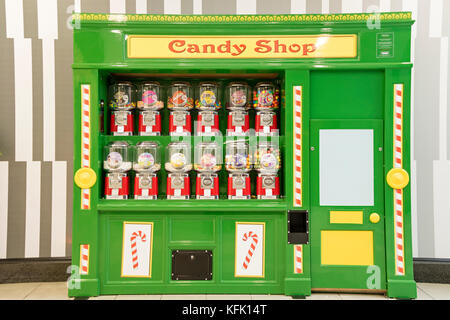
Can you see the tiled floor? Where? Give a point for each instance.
(58, 291)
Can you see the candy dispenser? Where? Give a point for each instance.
(147, 162)
(122, 103)
(179, 102)
(178, 164)
(266, 100)
(207, 162)
(208, 103)
(149, 103)
(117, 163)
(237, 102)
(238, 164)
(267, 163)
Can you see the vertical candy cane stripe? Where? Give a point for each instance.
(398, 125)
(84, 259)
(134, 253)
(298, 259)
(398, 193)
(251, 250)
(297, 146)
(85, 140)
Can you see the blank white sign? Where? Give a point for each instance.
(346, 176)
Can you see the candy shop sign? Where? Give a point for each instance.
(248, 47)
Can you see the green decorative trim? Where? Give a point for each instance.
(283, 18)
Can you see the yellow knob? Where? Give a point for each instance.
(397, 178)
(374, 217)
(85, 178)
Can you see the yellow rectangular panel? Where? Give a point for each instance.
(349, 248)
(253, 47)
(353, 217)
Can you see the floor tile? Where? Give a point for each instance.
(49, 291)
(437, 291)
(324, 296)
(183, 297)
(422, 295)
(16, 291)
(103, 298)
(139, 297)
(228, 297)
(270, 297)
(360, 296)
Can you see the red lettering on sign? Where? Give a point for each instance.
(177, 43)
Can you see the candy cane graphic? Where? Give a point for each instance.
(84, 259)
(134, 255)
(398, 193)
(297, 146)
(251, 251)
(85, 140)
(298, 258)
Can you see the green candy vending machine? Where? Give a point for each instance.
(244, 154)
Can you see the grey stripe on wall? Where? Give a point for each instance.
(54, 232)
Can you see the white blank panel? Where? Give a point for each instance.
(346, 176)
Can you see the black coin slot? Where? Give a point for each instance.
(298, 227)
(192, 265)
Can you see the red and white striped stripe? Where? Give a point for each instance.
(134, 254)
(84, 259)
(85, 139)
(297, 146)
(398, 193)
(298, 258)
(251, 250)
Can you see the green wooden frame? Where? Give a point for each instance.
(100, 51)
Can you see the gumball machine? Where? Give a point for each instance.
(117, 163)
(149, 103)
(180, 102)
(207, 162)
(178, 164)
(147, 162)
(207, 103)
(237, 102)
(266, 100)
(121, 104)
(267, 163)
(238, 164)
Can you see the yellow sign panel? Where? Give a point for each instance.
(243, 47)
(351, 217)
(349, 248)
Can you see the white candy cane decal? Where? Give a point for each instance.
(251, 250)
(134, 254)
(298, 258)
(84, 259)
(85, 140)
(297, 146)
(398, 193)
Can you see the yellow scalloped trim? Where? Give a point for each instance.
(239, 18)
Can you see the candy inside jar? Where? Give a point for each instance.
(149, 96)
(237, 95)
(117, 157)
(147, 157)
(178, 157)
(179, 96)
(267, 157)
(266, 96)
(237, 158)
(121, 96)
(208, 157)
(208, 96)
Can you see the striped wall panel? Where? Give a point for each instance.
(36, 131)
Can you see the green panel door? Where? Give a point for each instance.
(347, 204)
